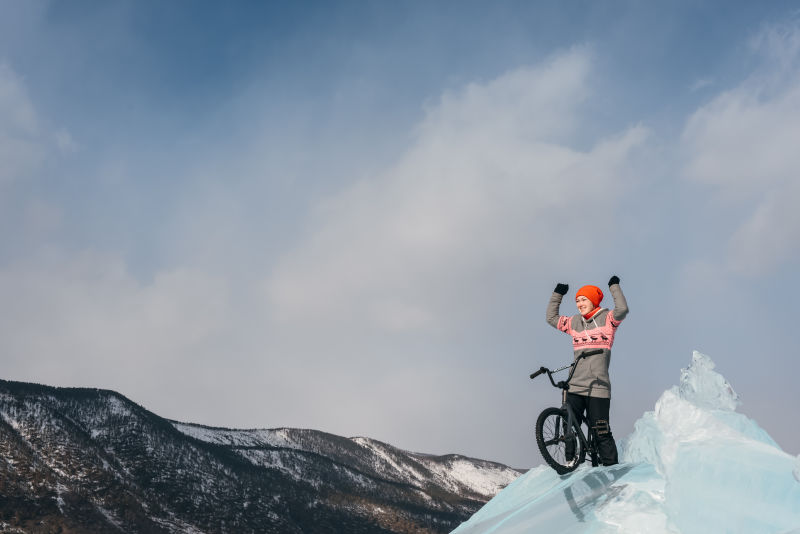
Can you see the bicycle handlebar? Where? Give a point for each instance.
(540, 371)
(565, 383)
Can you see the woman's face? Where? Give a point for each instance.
(584, 305)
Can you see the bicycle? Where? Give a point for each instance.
(558, 430)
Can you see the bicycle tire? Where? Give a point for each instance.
(550, 437)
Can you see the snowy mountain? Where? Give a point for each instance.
(693, 465)
(278, 449)
(88, 460)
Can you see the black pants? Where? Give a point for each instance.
(596, 411)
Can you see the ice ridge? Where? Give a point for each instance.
(692, 465)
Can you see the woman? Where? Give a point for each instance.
(591, 328)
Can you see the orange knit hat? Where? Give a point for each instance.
(592, 293)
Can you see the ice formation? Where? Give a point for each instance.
(796, 470)
(693, 465)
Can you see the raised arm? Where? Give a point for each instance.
(620, 304)
(555, 303)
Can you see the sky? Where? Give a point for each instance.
(350, 216)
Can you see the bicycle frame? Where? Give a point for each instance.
(572, 419)
(573, 424)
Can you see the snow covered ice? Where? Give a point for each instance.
(693, 465)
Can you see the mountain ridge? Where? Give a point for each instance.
(92, 460)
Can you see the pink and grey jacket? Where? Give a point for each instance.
(591, 376)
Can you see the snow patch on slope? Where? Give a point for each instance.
(454, 473)
(386, 456)
(476, 476)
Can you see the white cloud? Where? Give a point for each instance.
(701, 83)
(770, 236)
(744, 145)
(20, 151)
(779, 44)
(65, 142)
(81, 320)
(24, 140)
(490, 184)
(17, 113)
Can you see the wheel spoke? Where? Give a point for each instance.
(556, 438)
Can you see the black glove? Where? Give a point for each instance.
(561, 289)
(614, 280)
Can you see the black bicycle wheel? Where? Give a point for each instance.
(560, 446)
